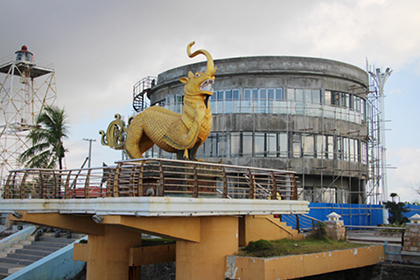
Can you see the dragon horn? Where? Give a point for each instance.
(210, 64)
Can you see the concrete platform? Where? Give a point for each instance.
(157, 206)
(372, 237)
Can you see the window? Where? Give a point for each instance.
(297, 145)
(327, 97)
(246, 105)
(339, 148)
(259, 144)
(330, 147)
(282, 147)
(221, 144)
(279, 94)
(291, 94)
(308, 146)
(316, 96)
(321, 146)
(271, 145)
(308, 95)
(235, 144)
(352, 150)
(363, 152)
(262, 101)
(247, 144)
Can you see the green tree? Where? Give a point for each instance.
(397, 210)
(47, 150)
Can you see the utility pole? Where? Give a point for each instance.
(90, 148)
(380, 79)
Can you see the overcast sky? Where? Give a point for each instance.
(100, 49)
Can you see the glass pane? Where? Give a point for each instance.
(297, 145)
(299, 94)
(271, 93)
(316, 96)
(235, 94)
(262, 102)
(339, 148)
(263, 93)
(364, 152)
(320, 146)
(210, 146)
(330, 147)
(291, 94)
(255, 94)
(235, 144)
(308, 95)
(228, 94)
(346, 149)
(335, 98)
(352, 150)
(246, 104)
(308, 146)
(271, 145)
(259, 144)
(282, 144)
(279, 94)
(327, 97)
(221, 143)
(220, 95)
(247, 93)
(247, 143)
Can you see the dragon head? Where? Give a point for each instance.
(200, 84)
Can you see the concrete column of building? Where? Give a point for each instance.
(334, 227)
(108, 256)
(207, 259)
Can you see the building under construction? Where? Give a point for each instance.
(318, 117)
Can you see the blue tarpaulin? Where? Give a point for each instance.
(352, 214)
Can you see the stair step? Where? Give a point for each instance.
(8, 268)
(50, 244)
(30, 251)
(16, 261)
(56, 239)
(41, 248)
(26, 257)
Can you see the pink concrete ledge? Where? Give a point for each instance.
(296, 266)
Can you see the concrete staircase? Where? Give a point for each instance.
(32, 250)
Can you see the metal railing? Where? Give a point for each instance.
(153, 177)
(300, 222)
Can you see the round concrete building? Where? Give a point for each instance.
(294, 113)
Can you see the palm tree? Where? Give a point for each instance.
(47, 140)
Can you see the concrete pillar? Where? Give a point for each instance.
(412, 235)
(334, 227)
(108, 257)
(207, 259)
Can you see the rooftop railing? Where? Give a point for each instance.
(153, 177)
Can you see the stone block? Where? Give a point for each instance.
(414, 249)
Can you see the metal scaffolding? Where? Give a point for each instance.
(25, 90)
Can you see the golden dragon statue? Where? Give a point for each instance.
(176, 133)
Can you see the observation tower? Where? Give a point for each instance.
(25, 88)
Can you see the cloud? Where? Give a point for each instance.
(405, 163)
